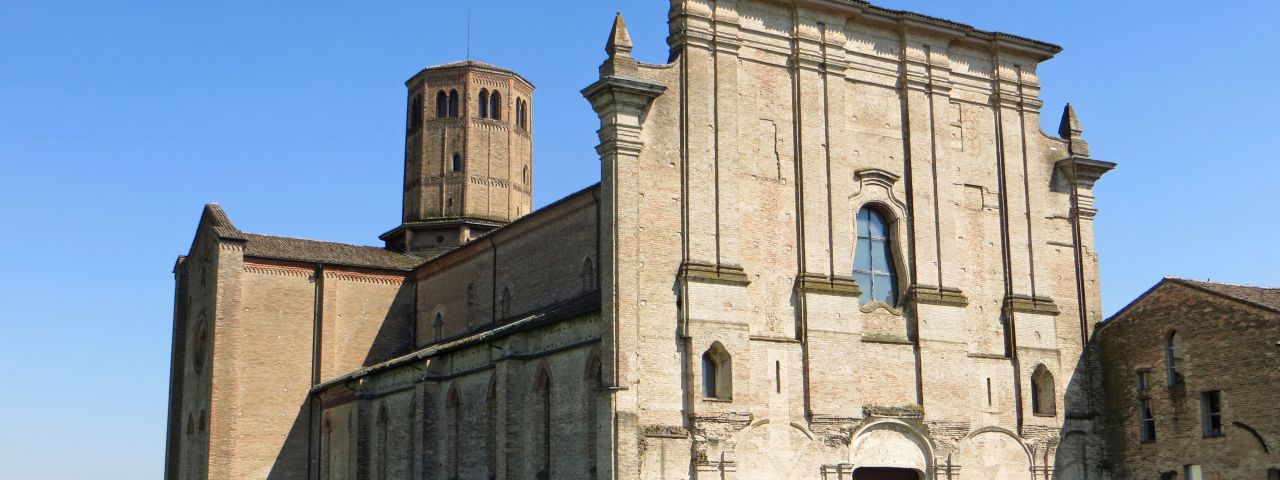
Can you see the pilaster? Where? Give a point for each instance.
(621, 100)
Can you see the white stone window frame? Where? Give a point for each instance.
(875, 190)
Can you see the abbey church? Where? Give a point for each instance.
(830, 241)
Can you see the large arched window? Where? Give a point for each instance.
(382, 442)
(453, 403)
(1042, 392)
(595, 383)
(326, 442)
(442, 104)
(483, 103)
(495, 105)
(542, 387)
(1173, 358)
(873, 259)
(453, 103)
(491, 430)
(717, 373)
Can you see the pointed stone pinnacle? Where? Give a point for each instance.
(619, 39)
(1071, 131)
(1070, 126)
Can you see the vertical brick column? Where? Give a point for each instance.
(621, 101)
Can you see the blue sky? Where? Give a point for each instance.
(119, 120)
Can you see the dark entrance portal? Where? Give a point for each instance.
(885, 474)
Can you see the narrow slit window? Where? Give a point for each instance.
(777, 376)
(1173, 359)
(437, 327)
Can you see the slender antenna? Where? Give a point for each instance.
(468, 33)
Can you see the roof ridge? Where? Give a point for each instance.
(1228, 284)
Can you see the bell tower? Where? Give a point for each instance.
(468, 156)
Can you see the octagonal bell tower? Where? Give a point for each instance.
(468, 156)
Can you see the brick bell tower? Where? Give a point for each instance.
(468, 164)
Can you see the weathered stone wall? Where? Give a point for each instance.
(1226, 346)
(737, 171)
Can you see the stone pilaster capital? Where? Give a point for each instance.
(1083, 172)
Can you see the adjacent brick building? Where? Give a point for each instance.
(1192, 371)
(830, 241)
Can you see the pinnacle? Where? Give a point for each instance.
(1070, 126)
(619, 39)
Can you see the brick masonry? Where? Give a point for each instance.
(1226, 345)
(568, 343)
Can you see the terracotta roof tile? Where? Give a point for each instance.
(1265, 297)
(297, 249)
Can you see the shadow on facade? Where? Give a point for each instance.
(1081, 452)
(395, 337)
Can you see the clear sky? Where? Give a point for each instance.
(119, 120)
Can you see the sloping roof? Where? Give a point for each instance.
(1266, 298)
(297, 249)
(302, 250)
(475, 64)
(583, 304)
(1263, 297)
(220, 223)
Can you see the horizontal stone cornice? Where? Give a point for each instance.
(710, 273)
(1039, 305)
(935, 295)
(822, 284)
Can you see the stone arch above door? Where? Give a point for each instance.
(993, 454)
(891, 444)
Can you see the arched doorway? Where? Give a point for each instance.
(875, 473)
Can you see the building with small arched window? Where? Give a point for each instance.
(1188, 371)
(829, 240)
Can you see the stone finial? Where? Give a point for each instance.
(1070, 126)
(620, 63)
(619, 39)
(1071, 131)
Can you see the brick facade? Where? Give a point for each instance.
(1225, 343)
(580, 341)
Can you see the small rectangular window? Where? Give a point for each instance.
(1211, 413)
(1146, 421)
(1142, 381)
(1192, 472)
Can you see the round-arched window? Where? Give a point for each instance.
(873, 259)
